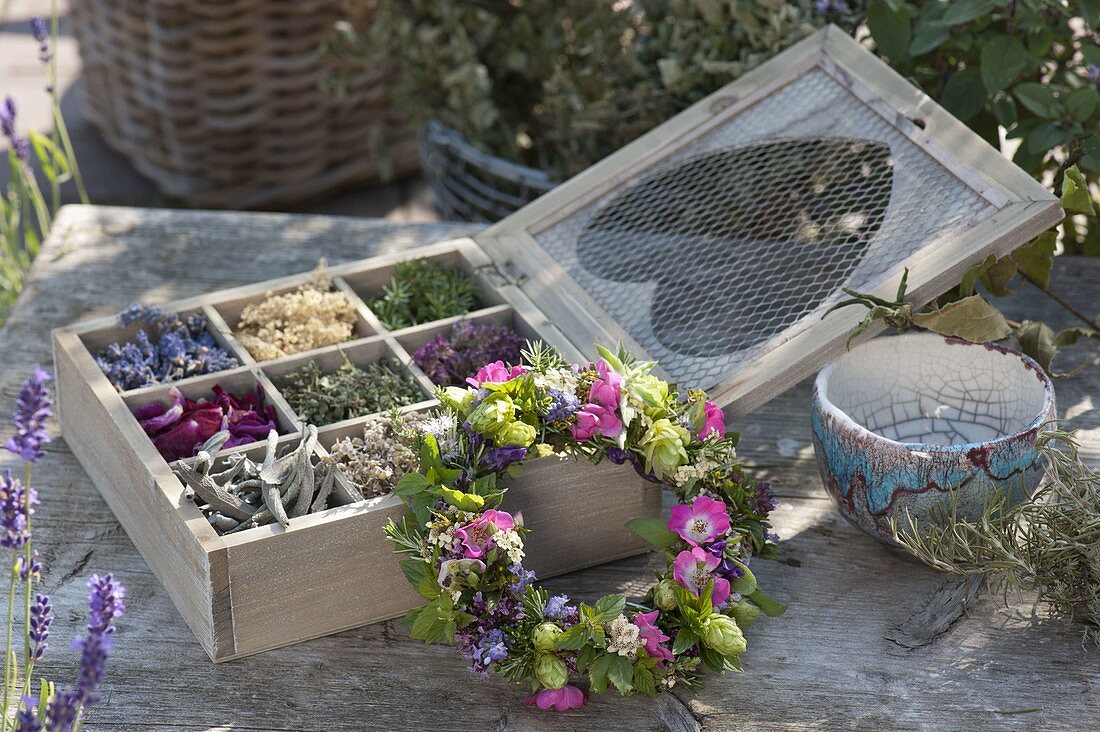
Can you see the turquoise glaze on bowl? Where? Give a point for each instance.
(900, 422)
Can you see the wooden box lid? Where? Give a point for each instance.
(714, 243)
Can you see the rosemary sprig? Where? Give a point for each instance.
(1049, 544)
(421, 291)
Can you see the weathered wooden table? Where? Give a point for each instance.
(871, 641)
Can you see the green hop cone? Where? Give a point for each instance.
(457, 399)
(663, 596)
(517, 434)
(545, 636)
(664, 446)
(722, 634)
(650, 392)
(551, 671)
(744, 612)
(493, 416)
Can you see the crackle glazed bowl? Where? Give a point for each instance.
(901, 422)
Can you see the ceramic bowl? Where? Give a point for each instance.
(901, 422)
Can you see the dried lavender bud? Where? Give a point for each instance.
(449, 359)
(166, 349)
(351, 391)
(375, 462)
(421, 291)
(313, 316)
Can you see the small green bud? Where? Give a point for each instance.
(722, 634)
(551, 671)
(663, 596)
(458, 399)
(545, 636)
(517, 434)
(744, 612)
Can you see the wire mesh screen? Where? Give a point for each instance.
(747, 234)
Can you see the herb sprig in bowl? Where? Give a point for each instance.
(422, 291)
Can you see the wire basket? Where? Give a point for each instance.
(221, 102)
(471, 185)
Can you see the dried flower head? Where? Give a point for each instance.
(313, 316)
(375, 462)
(449, 359)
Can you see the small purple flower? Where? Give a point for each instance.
(764, 502)
(106, 603)
(493, 647)
(14, 509)
(1092, 73)
(556, 607)
(29, 572)
(562, 406)
(38, 30)
(41, 619)
(830, 7)
(498, 459)
(62, 711)
(449, 359)
(27, 720)
(32, 410)
(524, 578)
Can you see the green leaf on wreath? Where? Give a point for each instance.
(572, 639)
(972, 319)
(598, 671)
(621, 673)
(653, 531)
(770, 607)
(685, 639)
(461, 500)
(746, 583)
(609, 607)
(410, 484)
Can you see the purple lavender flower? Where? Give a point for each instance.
(19, 143)
(32, 410)
(29, 572)
(41, 619)
(562, 406)
(165, 349)
(106, 603)
(62, 711)
(26, 720)
(38, 30)
(14, 508)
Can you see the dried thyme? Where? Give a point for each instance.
(422, 291)
(351, 391)
(313, 316)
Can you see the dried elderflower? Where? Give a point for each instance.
(421, 291)
(375, 462)
(351, 391)
(313, 316)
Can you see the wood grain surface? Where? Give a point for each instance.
(871, 641)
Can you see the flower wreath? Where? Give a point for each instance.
(465, 555)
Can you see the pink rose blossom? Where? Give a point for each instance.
(652, 635)
(607, 389)
(694, 570)
(713, 421)
(565, 698)
(495, 373)
(704, 520)
(593, 419)
(477, 535)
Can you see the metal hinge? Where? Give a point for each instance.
(507, 273)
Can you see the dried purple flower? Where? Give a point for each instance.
(32, 410)
(41, 619)
(14, 509)
(42, 35)
(449, 359)
(176, 350)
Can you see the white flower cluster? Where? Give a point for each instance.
(694, 471)
(623, 637)
(561, 379)
(511, 544)
(443, 537)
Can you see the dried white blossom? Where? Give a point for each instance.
(623, 637)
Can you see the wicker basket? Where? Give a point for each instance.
(470, 185)
(220, 102)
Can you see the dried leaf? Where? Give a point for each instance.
(972, 319)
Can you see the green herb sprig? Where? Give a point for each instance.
(1049, 544)
(351, 391)
(422, 291)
